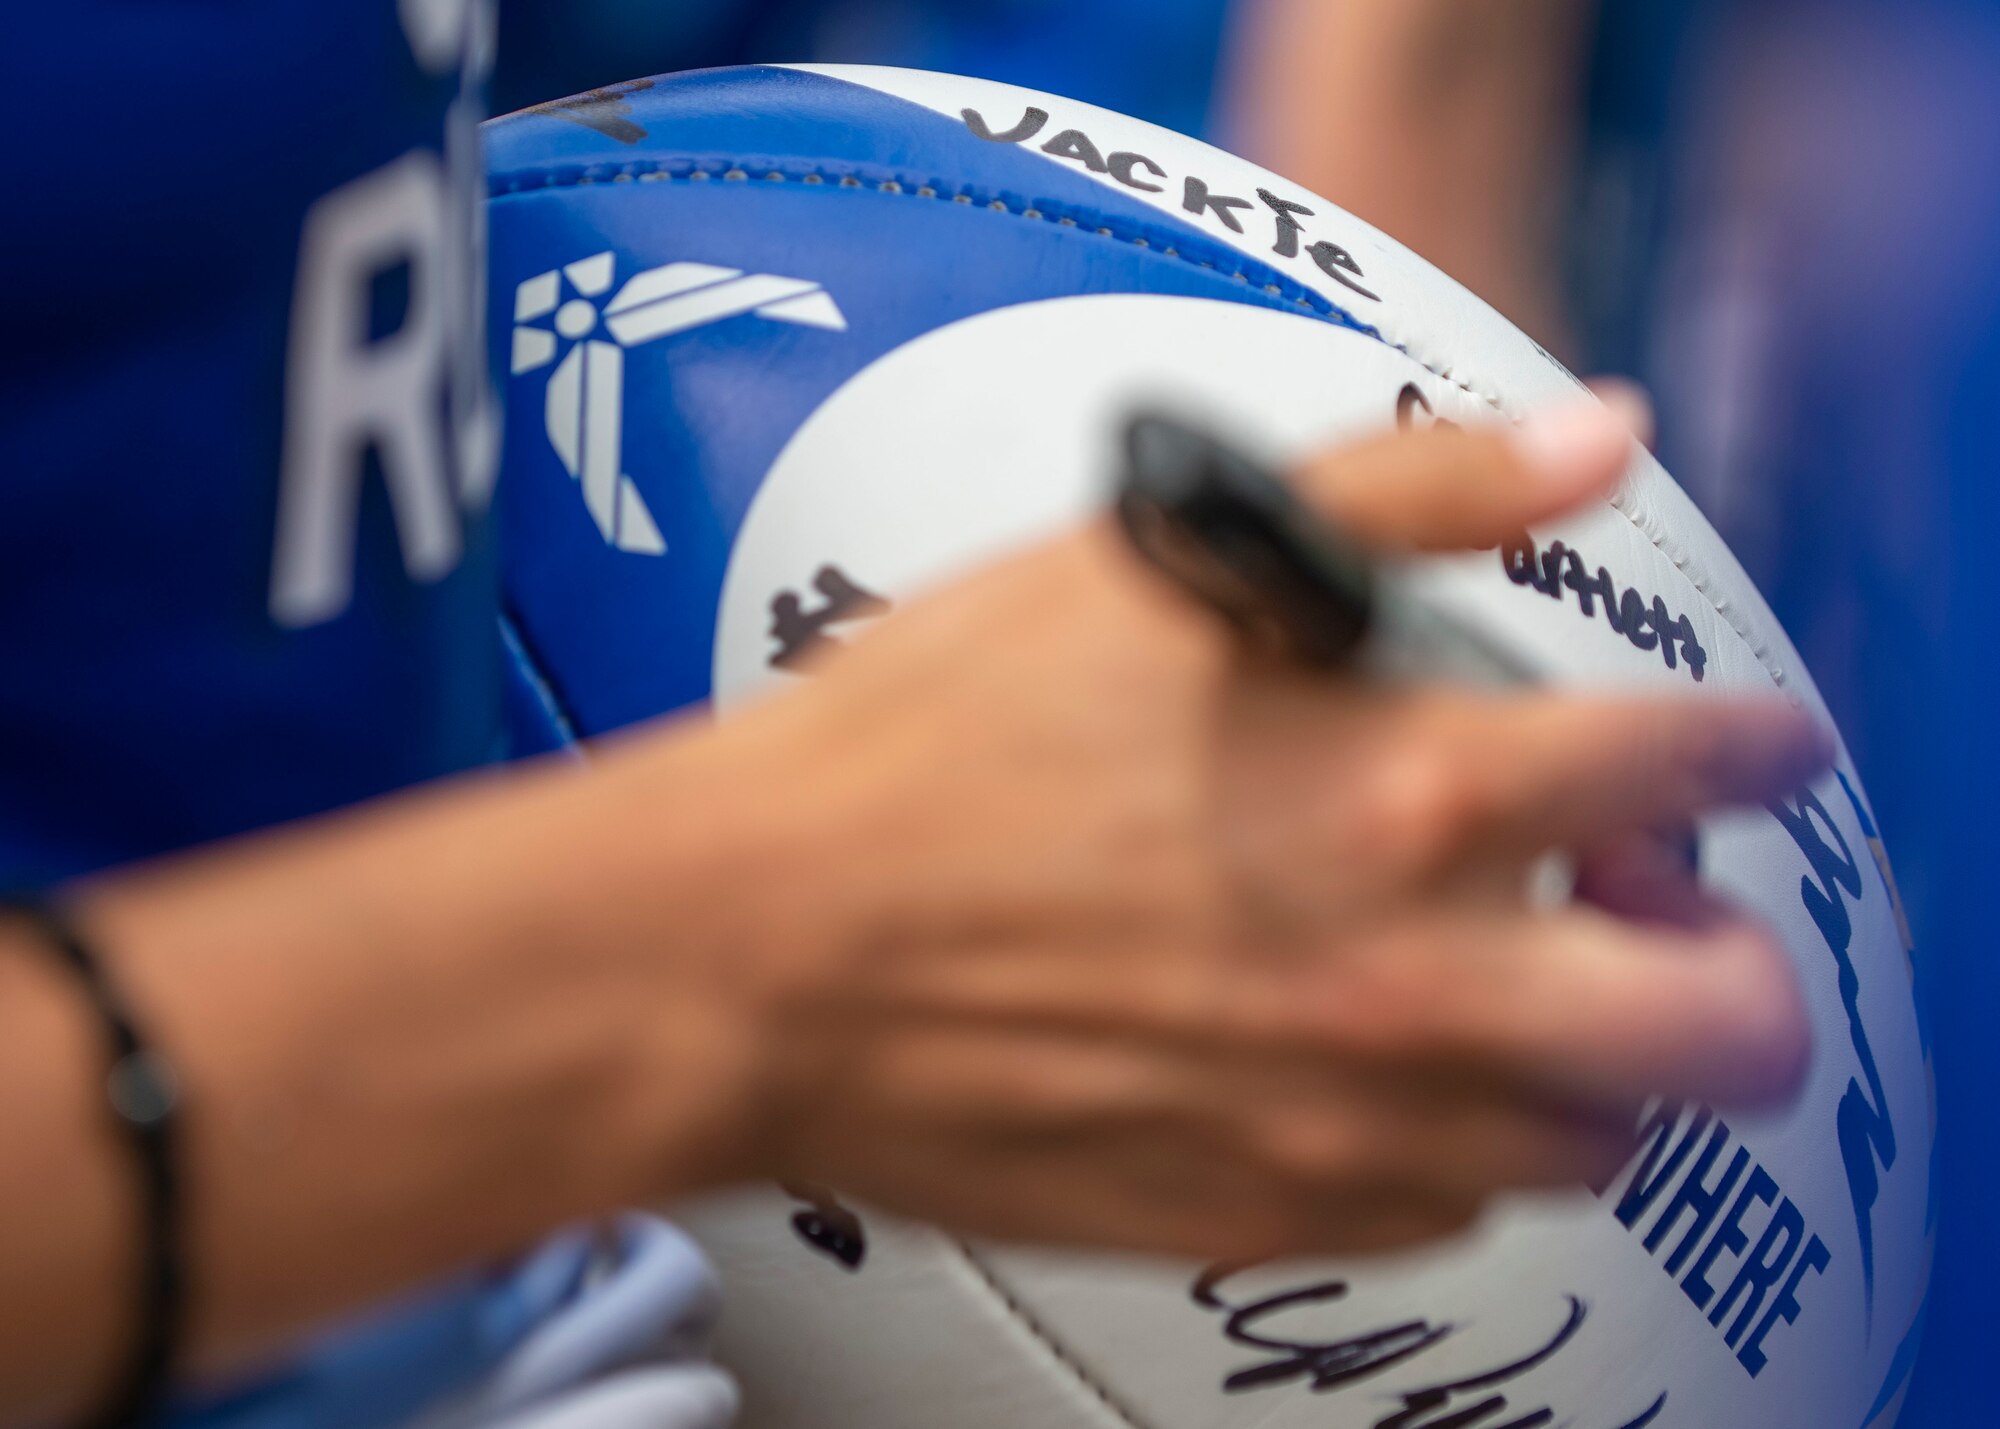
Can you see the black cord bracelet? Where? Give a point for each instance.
(143, 1096)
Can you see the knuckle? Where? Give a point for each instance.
(1390, 1003)
(1312, 1151)
(1681, 750)
(1423, 804)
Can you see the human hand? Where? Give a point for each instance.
(1107, 933)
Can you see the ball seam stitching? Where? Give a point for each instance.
(853, 179)
(881, 180)
(1048, 1341)
(514, 644)
(657, 171)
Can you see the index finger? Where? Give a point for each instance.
(1462, 488)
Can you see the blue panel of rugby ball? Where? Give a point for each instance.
(866, 206)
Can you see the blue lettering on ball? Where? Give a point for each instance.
(1862, 1124)
(1685, 1176)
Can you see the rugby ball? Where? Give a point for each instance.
(787, 346)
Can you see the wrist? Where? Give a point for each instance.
(422, 1033)
(722, 892)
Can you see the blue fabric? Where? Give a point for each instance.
(651, 1301)
(619, 637)
(580, 1307)
(388, 1365)
(166, 158)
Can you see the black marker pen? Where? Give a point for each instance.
(1235, 536)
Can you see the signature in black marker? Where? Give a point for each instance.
(801, 633)
(604, 110)
(1322, 1365)
(1329, 1365)
(827, 1226)
(1647, 624)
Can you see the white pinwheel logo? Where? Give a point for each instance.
(585, 405)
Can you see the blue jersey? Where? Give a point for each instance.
(247, 439)
(245, 420)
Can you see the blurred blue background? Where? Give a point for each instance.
(1784, 216)
(1814, 295)
(1152, 58)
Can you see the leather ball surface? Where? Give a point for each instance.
(789, 345)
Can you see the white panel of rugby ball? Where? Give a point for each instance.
(1644, 1305)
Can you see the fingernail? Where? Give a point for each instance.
(1805, 745)
(1817, 751)
(1576, 446)
(1629, 403)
